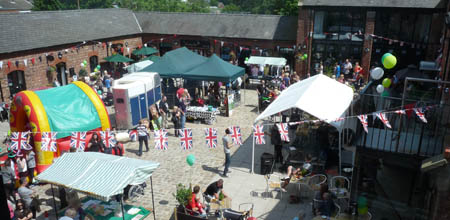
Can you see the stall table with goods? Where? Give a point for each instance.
(205, 113)
(112, 210)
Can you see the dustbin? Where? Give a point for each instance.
(267, 161)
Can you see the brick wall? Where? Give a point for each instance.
(305, 26)
(368, 42)
(36, 74)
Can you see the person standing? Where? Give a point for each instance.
(275, 139)
(337, 70)
(27, 195)
(9, 178)
(22, 167)
(227, 144)
(347, 69)
(95, 144)
(176, 119)
(320, 69)
(31, 163)
(182, 107)
(108, 83)
(142, 136)
(164, 111)
(357, 70)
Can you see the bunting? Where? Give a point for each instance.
(365, 124)
(383, 118)
(186, 138)
(78, 140)
(258, 134)
(133, 135)
(48, 141)
(211, 137)
(108, 139)
(400, 112)
(284, 131)
(161, 139)
(19, 141)
(236, 135)
(420, 113)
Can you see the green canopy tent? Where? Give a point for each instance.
(175, 63)
(117, 58)
(145, 51)
(215, 69)
(152, 58)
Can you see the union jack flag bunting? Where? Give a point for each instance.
(78, 140)
(108, 139)
(133, 135)
(363, 119)
(421, 114)
(48, 142)
(400, 112)
(258, 134)
(186, 138)
(161, 139)
(284, 132)
(211, 137)
(383, 118)
(19, 141)
(339, 119)
(236, 136)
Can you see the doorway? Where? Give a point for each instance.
(61, 73)
(16, 82)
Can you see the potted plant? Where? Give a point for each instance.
(183, 195)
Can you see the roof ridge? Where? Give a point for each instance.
(63, 11)
(218, 14)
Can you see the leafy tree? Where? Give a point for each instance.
(213, 2)
(46, 5)
(231, 8)
(165, 5)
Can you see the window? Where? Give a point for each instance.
(333, 25)
(93, 62)
(16, 82)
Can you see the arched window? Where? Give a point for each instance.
(16, 82)
(93, 62)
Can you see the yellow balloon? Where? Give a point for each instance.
(389, 62)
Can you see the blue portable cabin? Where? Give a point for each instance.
(133, 95)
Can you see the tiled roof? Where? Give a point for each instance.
(267, 27)
(377, 3)
(25, 31)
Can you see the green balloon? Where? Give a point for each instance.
(98, 66)
(85, 62)
(385, 93)
(386, 82)
(384, 56)
(246, 59)
(190, 159)
(99, 92)
(305, 56)
(389, 62)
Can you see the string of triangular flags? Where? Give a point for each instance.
(19, 140)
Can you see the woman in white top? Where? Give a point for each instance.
(22, 167)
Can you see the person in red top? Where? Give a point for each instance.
(196, 207)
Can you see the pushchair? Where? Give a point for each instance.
(243, 214)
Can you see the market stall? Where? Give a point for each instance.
(102, 177)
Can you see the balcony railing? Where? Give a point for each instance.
(409, 135)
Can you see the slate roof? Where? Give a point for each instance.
(377, 3)
(20, 5)
(267, 27)
(24, 31)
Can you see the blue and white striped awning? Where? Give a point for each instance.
(96, 174)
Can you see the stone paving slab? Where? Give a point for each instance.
(209, 162)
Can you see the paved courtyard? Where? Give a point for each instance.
(209, 163)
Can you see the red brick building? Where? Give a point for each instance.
(362, 31)
(38, 47)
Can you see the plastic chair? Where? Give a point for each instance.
(316, 180)
(273, 182)
(341, 180)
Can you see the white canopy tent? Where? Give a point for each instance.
(319, 96)
(276, 61)
(136, 67)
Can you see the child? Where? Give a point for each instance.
(176, 119)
